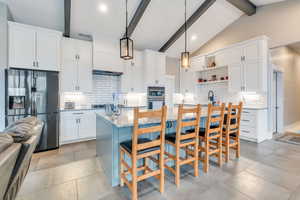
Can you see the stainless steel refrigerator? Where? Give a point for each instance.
(34, 93)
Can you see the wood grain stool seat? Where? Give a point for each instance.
(210, 137)
(184, 141)
(231, 130)
(141, 148)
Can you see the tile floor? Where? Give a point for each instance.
(268, 171)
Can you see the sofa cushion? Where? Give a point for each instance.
(21, 130)
(5, 141)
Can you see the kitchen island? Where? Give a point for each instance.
(111, 131)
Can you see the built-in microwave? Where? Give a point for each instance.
(156, 97)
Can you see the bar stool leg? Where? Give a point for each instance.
(162, 171)
(238, 147)
(177, 167)
(134, 180)
(227, 139)
(206, 156)
(220, 150)
(121, 168)
(196, 161)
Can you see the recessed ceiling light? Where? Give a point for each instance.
(194, 37)
(103, 8)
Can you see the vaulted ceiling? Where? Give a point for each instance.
(105, 18)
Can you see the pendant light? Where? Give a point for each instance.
(126, 44)
(185, 56)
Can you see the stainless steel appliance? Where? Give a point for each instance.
(156, 97)
(34, 93)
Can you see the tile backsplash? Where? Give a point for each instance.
(103, 89)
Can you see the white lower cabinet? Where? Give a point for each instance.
(77, 126)
(254, 125)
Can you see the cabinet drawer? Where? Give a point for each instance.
(248, 132)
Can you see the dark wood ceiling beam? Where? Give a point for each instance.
(67, 9)
(244, 5)
(137, 16)
(195, 16)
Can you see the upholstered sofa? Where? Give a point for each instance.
(17, 144)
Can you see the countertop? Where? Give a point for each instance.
(246, 107)
(126, 117)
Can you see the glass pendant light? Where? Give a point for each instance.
(185, 56)
(126, 44)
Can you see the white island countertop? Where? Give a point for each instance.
(126, 117)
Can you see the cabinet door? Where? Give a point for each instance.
(85, 71)
(235, 78)
(197, 63)
(68, 127)
(188, 81)
(87, 125)
(69, 76)
(85, 78)
(48, 50)
(251, 51)
(160, 69)
(252, 76)
(21, 46)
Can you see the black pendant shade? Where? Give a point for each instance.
(126, 44)
(126, 48)
(185, 60)
(185, 56)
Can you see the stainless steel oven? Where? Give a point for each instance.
(156, 97)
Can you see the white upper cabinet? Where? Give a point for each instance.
(107, 55)
(235, 82)
(21, 46)
(48, 50)
(33, 47)
(252, 66)
(197, 63)
(154, 68)
(132, 78)
(76, 73)
(188, 81)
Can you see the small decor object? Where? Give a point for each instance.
(185, 56)
(222, 78)
(210, 62)
(126, 44)
(226, 77)
(200, 80)
(214, 77)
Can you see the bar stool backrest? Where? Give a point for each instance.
(233, 118)
(137, 131)
(195, 123)
(215, 119)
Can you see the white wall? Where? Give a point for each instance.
(3, 60)
(279, 21)
(289, 62)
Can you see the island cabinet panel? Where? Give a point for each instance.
(108, 139)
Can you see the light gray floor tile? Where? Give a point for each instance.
(93, 187)
(50, 161)
(86, 154)
(66, 191)
(275, 175)
(37, 180)
(257, 188)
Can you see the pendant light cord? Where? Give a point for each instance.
(126, 19)
(185, 25)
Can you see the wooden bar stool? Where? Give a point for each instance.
(184, 141)
(143, 148)
(231, 130)
(210, 137)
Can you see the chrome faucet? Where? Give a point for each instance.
(211, 96)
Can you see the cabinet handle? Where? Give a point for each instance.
(246, 120)
(37, 64)
(33, 63)
(245, 131)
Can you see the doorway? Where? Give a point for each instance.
(277, 102)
